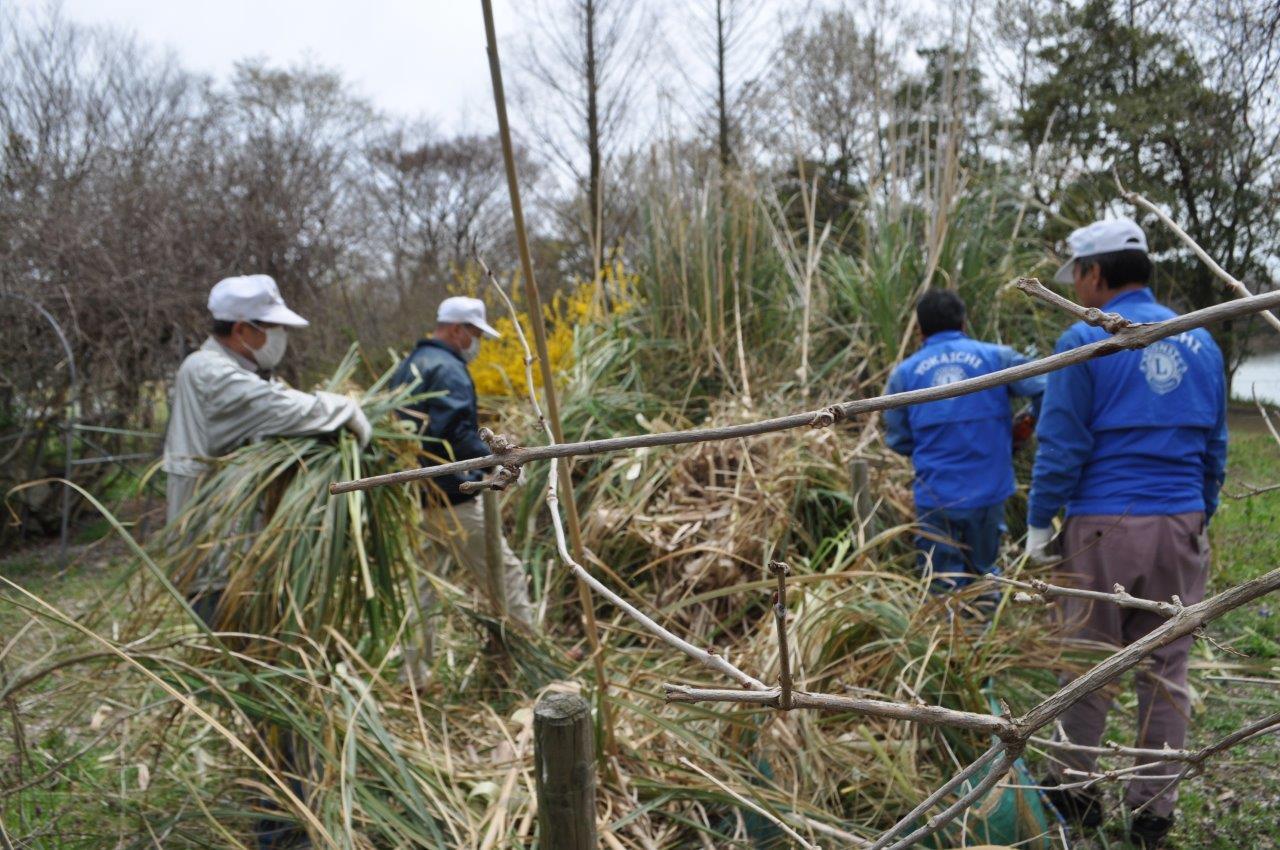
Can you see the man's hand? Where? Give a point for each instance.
(359, 425)
(1038, 540)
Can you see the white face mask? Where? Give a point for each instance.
(472, 351)
(272, 351)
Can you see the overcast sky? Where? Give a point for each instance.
(414, 57)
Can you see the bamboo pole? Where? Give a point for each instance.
(493, 550)
(534, 302)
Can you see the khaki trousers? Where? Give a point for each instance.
(457, 532)
(1154, 557)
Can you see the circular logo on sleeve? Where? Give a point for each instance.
(1163, 367)
(944, 375)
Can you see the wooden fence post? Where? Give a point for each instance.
(493, 551)
(860, 487)
(564, 766)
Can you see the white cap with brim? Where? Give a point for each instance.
(252, 298)
(460, 310)
(1101, 237)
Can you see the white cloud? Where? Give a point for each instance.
(412, 57)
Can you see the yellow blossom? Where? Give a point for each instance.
(499, 370)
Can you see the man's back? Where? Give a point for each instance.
(961, 447)
(448, 418)
(1137, 432)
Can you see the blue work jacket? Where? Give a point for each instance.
(450, 418)
(961, 448)
(1136, 432)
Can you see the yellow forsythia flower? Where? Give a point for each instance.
(499, 370)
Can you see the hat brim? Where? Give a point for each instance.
(1064, 273)
(278, 314)
(485, 328)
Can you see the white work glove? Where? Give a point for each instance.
(1038, 540)
(359, 425)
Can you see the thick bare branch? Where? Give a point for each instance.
(1132, 337)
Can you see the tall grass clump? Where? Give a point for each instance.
(300, 563)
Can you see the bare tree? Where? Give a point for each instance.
(833, 84)
(731, 46)
(583, 67)
(435, 201)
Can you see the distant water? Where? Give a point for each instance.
(1261, 374)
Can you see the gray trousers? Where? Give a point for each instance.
(457, 532)
(1154, 557)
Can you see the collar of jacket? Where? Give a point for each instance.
(1143, 294)
(944, 336)
(435, 343)
(212, 344)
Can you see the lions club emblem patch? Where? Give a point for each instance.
(949, 374)
(1163, 367)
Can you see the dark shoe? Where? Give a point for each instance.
(1148, 831)
(1075, 804)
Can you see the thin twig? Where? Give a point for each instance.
(1266, 417)
(932, 800)
(1132, 337)
(780, 570)
(1112, 323)
(1253, 491)
(755, 807)
(1045, 591)
(1239, 287)
(933, 715)
(938, 821)
(1113, 749)
(1258, 728)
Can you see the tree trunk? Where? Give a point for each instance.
(722, 106)
(595, 215)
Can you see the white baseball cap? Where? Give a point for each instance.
(251, 298)
(460, 310)
(1101, 237)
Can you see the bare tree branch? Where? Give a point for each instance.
(1041, 591)
(780, 570)
(1132, 337)
(1240, 289)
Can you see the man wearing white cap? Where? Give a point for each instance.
(221, 401)
(1133, 446)
(455, 520)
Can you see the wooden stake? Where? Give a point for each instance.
(534, 302)
(565, 772)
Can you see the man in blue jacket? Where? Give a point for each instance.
(961, 448)
(454, 520)
(1134, 447)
